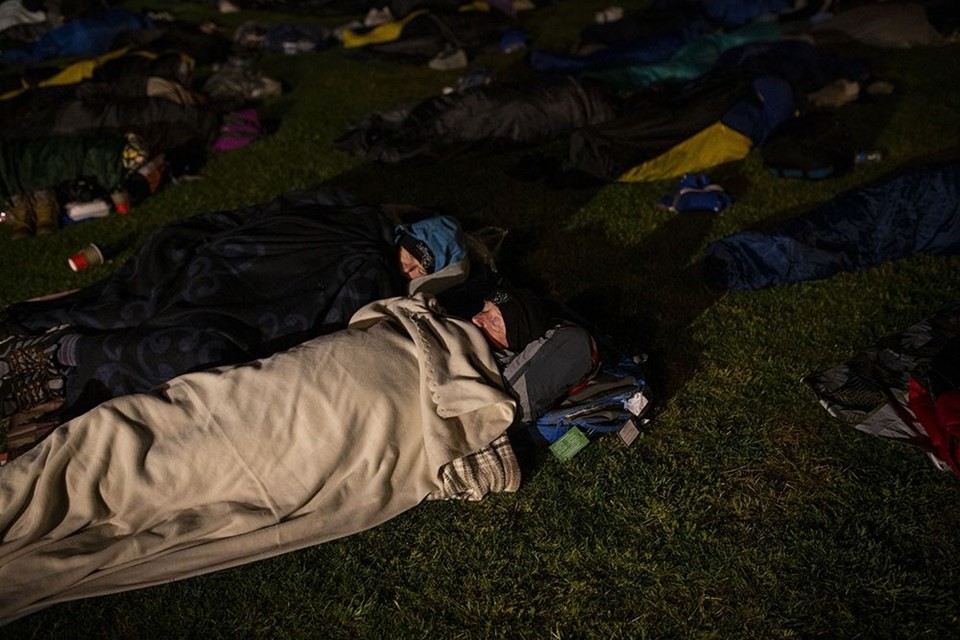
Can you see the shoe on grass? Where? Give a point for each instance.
(21, 217)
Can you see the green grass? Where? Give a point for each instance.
(743, 511)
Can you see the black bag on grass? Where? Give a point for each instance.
(812, 146)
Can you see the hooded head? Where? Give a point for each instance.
(435, 242)
(512, 318)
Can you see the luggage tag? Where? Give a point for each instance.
(637, 405)
(630, 430)
(569, 444)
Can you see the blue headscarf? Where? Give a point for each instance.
(436, 242)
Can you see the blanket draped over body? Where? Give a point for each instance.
(223, 467)
(222, 288)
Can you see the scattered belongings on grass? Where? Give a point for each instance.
(905, 388)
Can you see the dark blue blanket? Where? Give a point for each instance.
(220, 288)
(915, 211)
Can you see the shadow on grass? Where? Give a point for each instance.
(474, 186)
(676, 294)
(645, 297)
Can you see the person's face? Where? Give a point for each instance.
(410, 266)
(490, 321)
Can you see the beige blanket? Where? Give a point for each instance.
(224, 467)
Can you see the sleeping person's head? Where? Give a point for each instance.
(429, 245)
(512, 319)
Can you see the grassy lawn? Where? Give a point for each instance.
(744, 510)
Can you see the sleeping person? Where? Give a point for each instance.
(541, 358)
(222, 467)
(233, 464)
(219, 288)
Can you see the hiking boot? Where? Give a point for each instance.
(21, 216)
(30, 374)
(28, 392)
(46, 211)
(29, 354)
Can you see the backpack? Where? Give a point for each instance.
(616, 394)
(614, 398)
(812, 146)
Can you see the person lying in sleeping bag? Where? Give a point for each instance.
(239, 463)
(225, 466)
(219, 288)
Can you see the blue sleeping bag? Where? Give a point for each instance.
(90, 36)
(915, 211)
